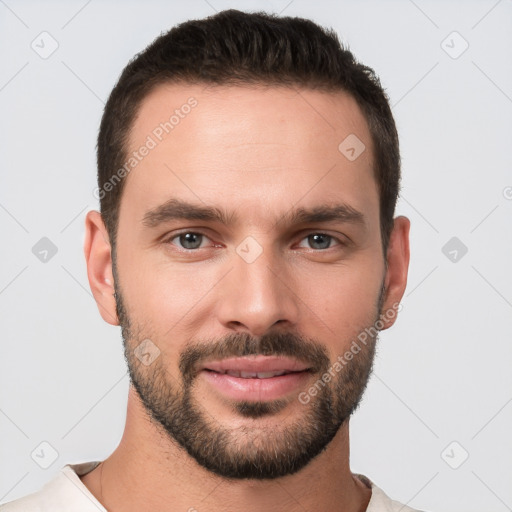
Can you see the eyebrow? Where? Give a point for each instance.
(177, 209)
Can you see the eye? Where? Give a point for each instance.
(321, 240)
(192, 240)
(188, 240)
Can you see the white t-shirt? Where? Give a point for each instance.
(66, 493)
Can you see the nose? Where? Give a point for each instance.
(257, 295)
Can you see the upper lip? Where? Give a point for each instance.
(256, 364)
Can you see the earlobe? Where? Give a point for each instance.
(398, 266)
(98, 257)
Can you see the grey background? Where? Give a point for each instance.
(443, 371)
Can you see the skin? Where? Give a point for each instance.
(257, 152)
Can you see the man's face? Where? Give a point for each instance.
(259, 282)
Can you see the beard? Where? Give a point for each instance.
(251, 451)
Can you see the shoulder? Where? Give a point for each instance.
(380, 501)
(63, 492)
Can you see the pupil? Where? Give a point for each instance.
(325, 244)
(189, 240)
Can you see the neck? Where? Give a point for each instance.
(150, 471)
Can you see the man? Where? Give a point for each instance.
(248, 171)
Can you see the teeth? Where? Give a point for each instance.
(255, 375)
(248, 375)
(266, 375)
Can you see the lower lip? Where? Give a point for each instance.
(255, 389)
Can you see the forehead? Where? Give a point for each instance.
(259, 146)
(197, 114)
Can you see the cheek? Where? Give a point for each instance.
(163, 295)
(154, 288)
(168, 302)
(341, 301)
(159, 306)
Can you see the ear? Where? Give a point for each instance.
(98, 257)
(396, 274)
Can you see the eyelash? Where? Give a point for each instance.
(168, 240)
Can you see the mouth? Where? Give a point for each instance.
(253, 375)
(261, 367)
(256, 377)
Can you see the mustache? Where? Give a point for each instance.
(243, 344)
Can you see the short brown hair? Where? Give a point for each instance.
(237, 48)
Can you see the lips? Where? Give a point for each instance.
(256, 378)
(254, 375)
(256, 367)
